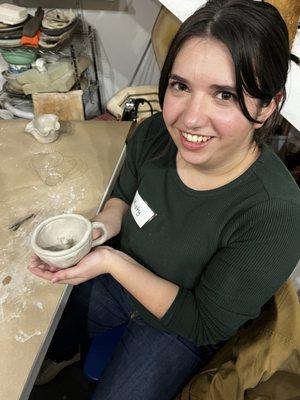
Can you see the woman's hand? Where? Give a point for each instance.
(92, 265)
(153, 292)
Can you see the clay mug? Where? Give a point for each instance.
(44, 128)
(63, 240)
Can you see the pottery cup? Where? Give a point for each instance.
(45, 128)
(63, 240)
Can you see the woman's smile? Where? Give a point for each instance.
(194, 142)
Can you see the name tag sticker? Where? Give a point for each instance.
(140, 210)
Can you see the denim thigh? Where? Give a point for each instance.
(93, 307)
(148, 364)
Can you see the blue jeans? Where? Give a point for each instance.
(148, 364)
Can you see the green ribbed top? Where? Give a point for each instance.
(228, 249)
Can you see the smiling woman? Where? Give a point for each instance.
(206, 216)
(251, 44)
(204, 118)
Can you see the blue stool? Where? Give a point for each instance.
(99, 350)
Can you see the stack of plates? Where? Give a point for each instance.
(10, 35)
(19, 60)
(12, 20)
(11, 85)
(58, 27)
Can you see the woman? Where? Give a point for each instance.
(208, 216)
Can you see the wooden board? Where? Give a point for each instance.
(67, 106)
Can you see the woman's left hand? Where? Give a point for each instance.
(92, 265)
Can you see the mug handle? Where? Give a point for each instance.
(104, 235)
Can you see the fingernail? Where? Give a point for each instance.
(54, 280)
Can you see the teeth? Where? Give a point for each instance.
(195, 138)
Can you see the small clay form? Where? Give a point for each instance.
(65, 239)
(44, 128)
(6, 280)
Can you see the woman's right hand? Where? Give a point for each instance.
(36, 262)
(93, 264)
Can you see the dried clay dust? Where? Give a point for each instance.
(18, 287)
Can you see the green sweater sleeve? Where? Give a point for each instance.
(261, 251)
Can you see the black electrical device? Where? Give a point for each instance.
(131, 107)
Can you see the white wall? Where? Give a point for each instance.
(123, 31)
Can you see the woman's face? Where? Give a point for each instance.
(201, 110)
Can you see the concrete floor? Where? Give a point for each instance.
(69, 384)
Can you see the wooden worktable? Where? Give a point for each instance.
(73, 174)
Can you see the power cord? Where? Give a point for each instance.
(131, 107)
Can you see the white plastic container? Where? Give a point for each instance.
(11, 14)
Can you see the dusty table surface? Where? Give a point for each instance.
(72, 174)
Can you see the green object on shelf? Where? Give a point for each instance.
(19, 57)
(60, 77)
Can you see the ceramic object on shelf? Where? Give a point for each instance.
(57, 19)
(19, 56)
(9, 28)
(45, 128)
(5, 114)
(11, 14)
(62, 241)
(15, 34)
(10, 43)
(21, 108)
(13, 84)
(18, 69)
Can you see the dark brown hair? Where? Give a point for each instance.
(257, 38)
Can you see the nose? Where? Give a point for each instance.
(196, 112)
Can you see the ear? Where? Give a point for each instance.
(265, 112)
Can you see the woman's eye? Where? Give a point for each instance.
(179, 86)
(226, 96)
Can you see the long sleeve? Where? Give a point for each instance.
(262, 251)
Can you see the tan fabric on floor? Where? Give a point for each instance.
(261, 362)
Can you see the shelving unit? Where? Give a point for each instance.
(82, 42)
(86, 39)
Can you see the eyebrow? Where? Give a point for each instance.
(221, 88)
(178, 78)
